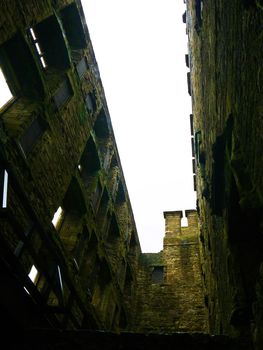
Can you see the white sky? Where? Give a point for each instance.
(5, 93)
(140, 46)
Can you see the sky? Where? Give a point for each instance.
(140, 47)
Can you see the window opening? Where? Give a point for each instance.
(4, 180)
(187, 60)
(31, 135)
(63, 94)
(5, 93)
(184, 221)
(90, 101)
(50, 43)
(33, 274)
(114, 232)
(38, 49)
(189, 83)
(82, 67)
(158, 274)
(89, 163)
(101, 126)
(57, 218)
(194, 165)
(72, 24)
(192, 124)
(121, 198)
(20, 68)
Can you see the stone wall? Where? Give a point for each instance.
(58, 151)
(169, 294)
(225, 52)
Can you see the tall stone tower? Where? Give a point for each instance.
(183, 272)
(169, 293)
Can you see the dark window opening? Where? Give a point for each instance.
(19, 68)
(48, 36)
(158, 274)
(102, 132)
(90, 102)
(73, 27)
(133, 244)
(114, 162)
(198, 13)
(73, 200)
(189, 83)
(99, 299)
(197, 145)
(133, 241)
(187, 60)
(31, 135)
(121, 198)
(128, 281)
(74, 208)
(101, 126)
(82, 67)
(184, 17)
(114, 231)
(194, 166)
(193, 146)
(89, 164)
(104, 273)
(63, 94)
(192, 124)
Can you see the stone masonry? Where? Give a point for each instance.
(170, 293)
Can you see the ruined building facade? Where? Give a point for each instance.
(69, 244)
(70, 254)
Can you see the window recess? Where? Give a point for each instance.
(6, 95)
(89, 164)
(50, 45)
(90, 101)
(31, 135)
(4, 187)
(73, 27)
(63, 94)
(82, 67)
(19, 68)
(158, 274)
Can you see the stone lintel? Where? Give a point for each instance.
(173, 213)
